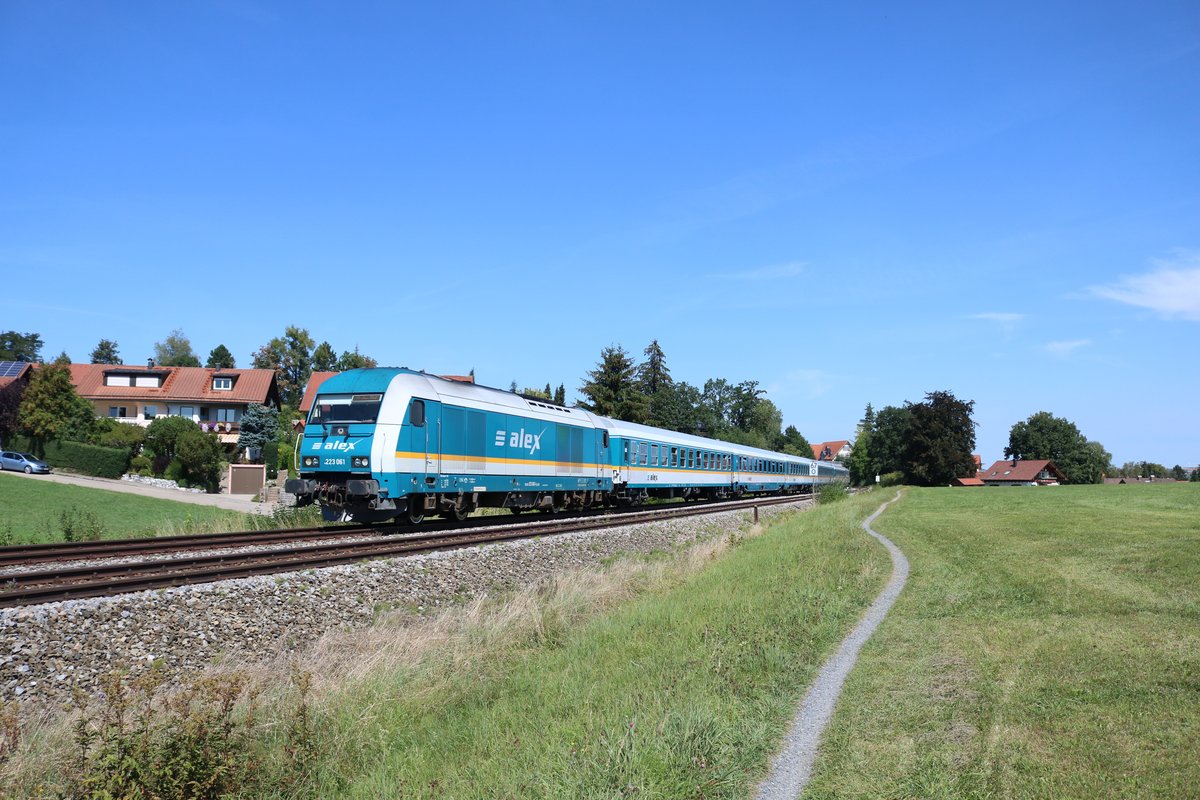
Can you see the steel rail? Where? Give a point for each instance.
(51, 552)
(102, 580)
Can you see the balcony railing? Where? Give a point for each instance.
(219, 427)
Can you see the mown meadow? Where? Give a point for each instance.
(1047, 645)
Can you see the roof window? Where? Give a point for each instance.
(222, 384)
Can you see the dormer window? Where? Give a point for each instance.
(222, 384)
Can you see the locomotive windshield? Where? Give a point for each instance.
(330, 408)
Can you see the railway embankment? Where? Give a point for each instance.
(48, 651)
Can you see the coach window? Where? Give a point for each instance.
(654, 455)
(417, 414)
(644, 452)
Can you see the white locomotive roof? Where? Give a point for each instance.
(632, 430)
(477, 396)
(486, 396)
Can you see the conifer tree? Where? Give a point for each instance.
(106, 353)
(611, 389)
(220, 358)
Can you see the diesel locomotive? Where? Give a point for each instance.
(381, 444)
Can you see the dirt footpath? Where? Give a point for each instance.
(233, 502)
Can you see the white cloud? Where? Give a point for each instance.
(771, 273)
(1065, 349)
(1172, 289)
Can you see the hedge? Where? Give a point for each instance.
(88, 459)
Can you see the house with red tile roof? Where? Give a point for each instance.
(14, 372)
(831, 451)
(1040, 472)
(216, 399)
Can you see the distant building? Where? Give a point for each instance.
(1014, 472)
(832, 451)
(967, 482)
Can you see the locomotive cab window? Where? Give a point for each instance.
(416, 414)
(331, 408)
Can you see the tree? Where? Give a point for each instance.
(680, 407)
(560, 394)
(290, 356)
(355, 360)
(529, 391)
(862, 471)
(941, 438)
(175, 351)
(1045, 436)
(324, 358)
(611, 389)
(51, 406)
(1179, 473)
(795, 443)
(220, 358)
(653, 375)
(106, 353)
(20, 346)
(259, 425)
(10, 409)
(889, 438)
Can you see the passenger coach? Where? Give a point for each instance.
(385, 443)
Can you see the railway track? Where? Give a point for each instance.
(104, 579)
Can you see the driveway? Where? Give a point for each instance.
(233, 502)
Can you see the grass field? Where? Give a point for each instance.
(1047, 645)
(32, 511)
(682, 689)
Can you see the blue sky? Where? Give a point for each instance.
(850, 205)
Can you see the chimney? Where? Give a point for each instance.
(149, 363)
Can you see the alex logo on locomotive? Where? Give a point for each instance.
(345, 446)
(521, 440)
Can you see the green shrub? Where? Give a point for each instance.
(271, 458)
(832, 492)
(140, 465)
(110, 433)
(174, 470)
(88, 459)
(892, 479)
(80, 525)
(200, 456)
(287, 456)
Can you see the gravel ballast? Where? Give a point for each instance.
(48, 650)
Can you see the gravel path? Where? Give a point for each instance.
(793, 766)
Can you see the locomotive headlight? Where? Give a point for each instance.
(311, 461)
(360, 461)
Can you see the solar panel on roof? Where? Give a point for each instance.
(11, 369)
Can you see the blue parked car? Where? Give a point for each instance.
(23, 462)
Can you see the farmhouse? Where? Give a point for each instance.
(1022, 473)
(215, 399)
